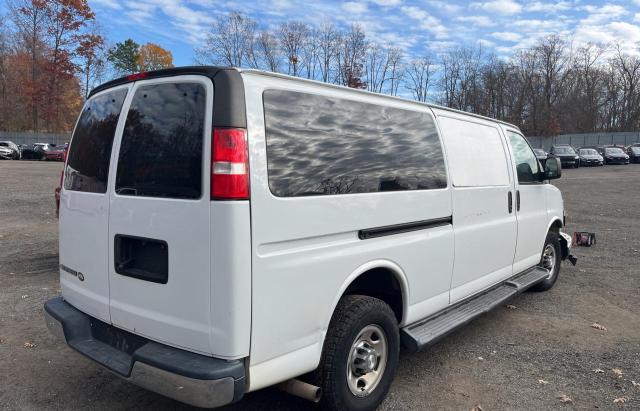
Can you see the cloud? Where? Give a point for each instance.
(110, 4)
(506, 7)
(355, 7)
(554, 7)
(506, 36)
(445, 6)
(599, 15)
(478, 21)
(427, 21)
(387, 3)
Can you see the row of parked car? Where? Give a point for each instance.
(38, 151)
(592, 155)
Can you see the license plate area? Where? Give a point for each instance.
(141, 258)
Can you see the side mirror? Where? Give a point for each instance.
(552, 168)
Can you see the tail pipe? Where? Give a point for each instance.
(301, 389)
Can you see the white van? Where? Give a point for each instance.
(224, 230)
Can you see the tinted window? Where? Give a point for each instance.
(161, 149)
(318, 145)
(525, 159)
(90, 150)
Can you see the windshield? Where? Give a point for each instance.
(564, 150)
(4, 144)
(613, 150)
(588, 152)
(635, 150)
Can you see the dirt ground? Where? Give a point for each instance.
(522, 358)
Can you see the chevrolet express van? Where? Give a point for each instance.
(224, 230)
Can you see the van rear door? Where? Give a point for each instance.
(159, 213)
(84, 205)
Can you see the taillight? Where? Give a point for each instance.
(229, 164)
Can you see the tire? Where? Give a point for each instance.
(355, 318)
(553, 241)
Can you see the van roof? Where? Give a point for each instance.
(355, 90)
(211, 71)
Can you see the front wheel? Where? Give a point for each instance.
(550, 261)
(360, 354)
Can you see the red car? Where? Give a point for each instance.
(55, 154)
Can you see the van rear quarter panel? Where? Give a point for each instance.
(306, 250)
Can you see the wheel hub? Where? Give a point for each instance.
(367, 360)
(549, 258)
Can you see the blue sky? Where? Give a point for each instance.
(501, 26)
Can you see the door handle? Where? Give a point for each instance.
(510, 202)
(517, 200)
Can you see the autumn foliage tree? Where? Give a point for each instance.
(153, 57)
(41, 69)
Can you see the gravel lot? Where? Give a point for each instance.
(523, 358)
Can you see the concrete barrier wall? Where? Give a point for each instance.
(30, 138)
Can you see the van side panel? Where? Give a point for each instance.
(230, 279)
(484, 226)
(306, 248)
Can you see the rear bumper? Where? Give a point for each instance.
(182, 375)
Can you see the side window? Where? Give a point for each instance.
(525, 159)
(161, 150)
(475, 152)
(90, 151)
(318, 145)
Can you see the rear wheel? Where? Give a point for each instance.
(360, 354)
(550, 261)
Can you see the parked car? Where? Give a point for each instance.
(31, 152)
(9, 150)
(567, 155)
(300, 226)
(541, 155)
(615, 155)
(54, 154)
(633, 152)
(590, 157)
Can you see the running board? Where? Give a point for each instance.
(430, 330)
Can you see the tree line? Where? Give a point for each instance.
(547, 89)
(52, 52)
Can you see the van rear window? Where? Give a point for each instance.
(161, 150)
(318, 145)
(90, 151)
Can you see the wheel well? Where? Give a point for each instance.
(380, 283)
(556, 226)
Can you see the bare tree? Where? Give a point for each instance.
(420, 73)
(293, 39)
(627, 70)
(328, 42)
(267, 48)
(395, 70)
(351, 57)
(229, 42)
(552, 58)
